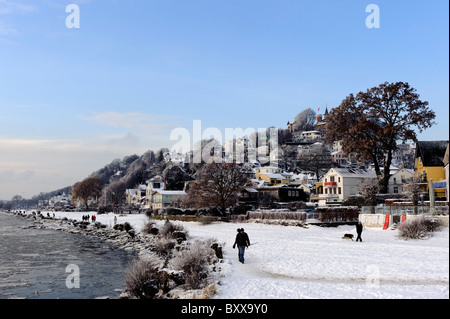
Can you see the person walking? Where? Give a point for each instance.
(359, 229)
(242, 242)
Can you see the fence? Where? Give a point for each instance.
(286, 215)
(401, 210)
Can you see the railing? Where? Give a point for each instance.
(409, 210)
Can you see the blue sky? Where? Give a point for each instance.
(72, 100)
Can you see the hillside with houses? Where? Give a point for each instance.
(305, 171)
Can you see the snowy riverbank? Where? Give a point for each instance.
(293, 262)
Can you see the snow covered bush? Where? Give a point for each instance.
(194, 263)
(206, 220)
(150, 227)
(141, 279)
(164, 246)
(420, 228)
(169, 228)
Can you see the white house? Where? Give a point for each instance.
(311, 135)
(399, 179)
(154, 184)
(130, 195)
(136, 196)
(165, 198)
(158, 197)
(341, 183)
(59, 200)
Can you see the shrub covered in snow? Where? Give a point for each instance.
(164, 246)
(206, 220)
(150, 227)
(142, 279)
(170, 228)
(194, 263)
(420, 228)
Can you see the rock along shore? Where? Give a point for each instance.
(142, 245)
(121, 236)
(139, 243)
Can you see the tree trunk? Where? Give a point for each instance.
(384, 182)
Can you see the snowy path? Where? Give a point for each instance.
(290, 262)
(298, 263)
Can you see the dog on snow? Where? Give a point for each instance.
(348, 237)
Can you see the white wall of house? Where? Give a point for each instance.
(165, 198)
(398, 180)
(341, 183)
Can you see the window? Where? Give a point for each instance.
(339, 191)
(395, 190)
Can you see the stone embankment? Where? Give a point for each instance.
(121, 237)
(146, 245)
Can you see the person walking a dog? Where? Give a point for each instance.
(359, 229)
(242, 242)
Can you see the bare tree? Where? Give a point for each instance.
(371, 123)
(217, 185)
(305, 120)
(115, 193)
(18, 200)
(413, 189)
(318, 160)
(90, 188)
(369, 188)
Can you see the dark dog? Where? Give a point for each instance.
(348, 237)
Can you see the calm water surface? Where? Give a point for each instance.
(33, 263)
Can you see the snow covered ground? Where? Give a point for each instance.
(293, 263)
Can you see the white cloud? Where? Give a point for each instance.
(31, 166)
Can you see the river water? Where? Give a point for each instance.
(50, 264)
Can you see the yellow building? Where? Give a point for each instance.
(275, 179)
(429, 164)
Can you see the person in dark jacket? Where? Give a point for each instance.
(242, 242)
(359, 229)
